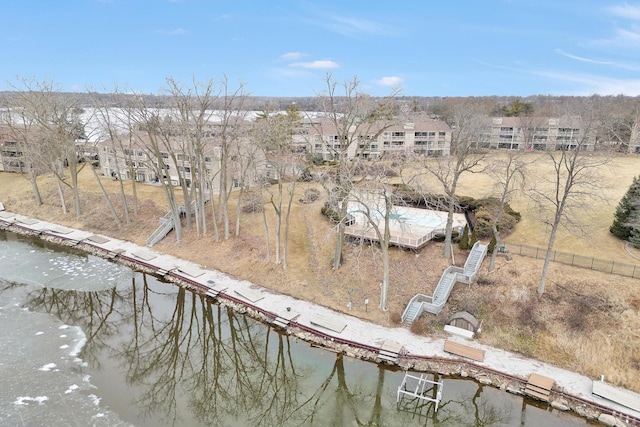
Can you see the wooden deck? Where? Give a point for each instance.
(284, 317)
(97, 239)
(60, 230)
(145, 256)
(389, 351)
(6, 216)
(215, 289)
(329, 323)
(539, 387)
(191, 271)
(249, 295)
(464, 350)
(621, 396)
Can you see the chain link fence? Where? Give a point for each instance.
(611, 267)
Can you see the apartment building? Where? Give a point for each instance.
(537, 133)
(11, 156)
(131, 158)
(419, 137)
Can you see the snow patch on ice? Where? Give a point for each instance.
(75, 350)
(48, 367)
(71, 389)
(24, 400)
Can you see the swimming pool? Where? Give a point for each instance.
(407, 217)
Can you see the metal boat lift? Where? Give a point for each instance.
(416, 387)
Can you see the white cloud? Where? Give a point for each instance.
(626, 66)
(594, 84)
(627, 11)
(355, 26)
(583, 59)
(392, 81)
(349, 25)
(622, 38)
(315, 64)
(290, 56)
(630, 36)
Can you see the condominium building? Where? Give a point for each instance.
(419, 137)
(10, 152)
(537, 133)
(132, 158)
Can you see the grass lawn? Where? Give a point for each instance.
(587, 321)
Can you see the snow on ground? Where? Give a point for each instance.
(363, 332)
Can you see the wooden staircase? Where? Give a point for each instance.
(389, 352)
(435, 303)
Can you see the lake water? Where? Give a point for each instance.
(84, 341)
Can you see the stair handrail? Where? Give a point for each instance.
(459, 274)
(166, 223)
(416, 298)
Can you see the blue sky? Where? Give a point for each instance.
(286, 47)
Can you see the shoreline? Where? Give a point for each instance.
(357, 339)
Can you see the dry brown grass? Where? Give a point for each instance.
(587, 321)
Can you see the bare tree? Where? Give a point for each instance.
(157, 143)
(356, 121)
(194, 106)
(57, 117)
(508, 172)
(24, 131)
(575, 180)
(533, 127)
(374, 201)
(467, 123)
(112, 121)
(273, 133)
(621, 122)
(231, 129)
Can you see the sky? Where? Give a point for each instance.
(288, 47)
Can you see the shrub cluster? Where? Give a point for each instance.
(328, 211)
(484, 220)
(455, 236)
(310, 195)
(421, 326)
(252, 202)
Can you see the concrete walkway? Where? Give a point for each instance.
(311, 315)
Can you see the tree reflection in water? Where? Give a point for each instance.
(182, 360)
(94, 312)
